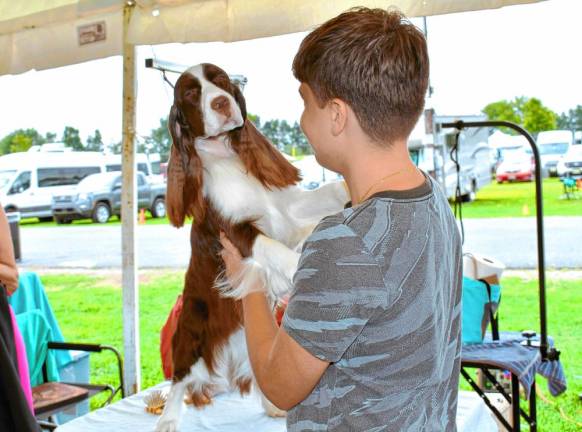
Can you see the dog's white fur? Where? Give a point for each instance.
(286, 217)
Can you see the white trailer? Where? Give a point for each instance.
(28, 180)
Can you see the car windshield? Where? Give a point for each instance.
(97, 181)
(6, 178)
(553, 148)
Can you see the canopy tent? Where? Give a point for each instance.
(45, 34)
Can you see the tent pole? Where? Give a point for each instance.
(130, 285)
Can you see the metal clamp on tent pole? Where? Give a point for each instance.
(165, 66)
(546, 352)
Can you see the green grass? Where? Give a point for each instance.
(88, 309)
(518, 200)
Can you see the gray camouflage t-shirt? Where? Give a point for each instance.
(378, 295)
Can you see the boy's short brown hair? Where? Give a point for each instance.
(374, 60)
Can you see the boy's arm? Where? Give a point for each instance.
(284, 370)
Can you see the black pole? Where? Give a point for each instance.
(546, 354)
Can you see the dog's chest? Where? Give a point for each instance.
(239, 196)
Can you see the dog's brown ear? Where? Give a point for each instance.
(240, 100)
(184, 189)
(262, 159)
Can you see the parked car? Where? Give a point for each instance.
(517, 165)
(98, 197)
(571, 163)
(552, 146)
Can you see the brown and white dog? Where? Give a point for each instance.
(228, 177)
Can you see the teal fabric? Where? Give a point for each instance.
(38, 325)
(36, 332)
(475, 299)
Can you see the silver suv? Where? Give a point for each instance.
(98, 197)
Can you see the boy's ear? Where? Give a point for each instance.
(338, 112)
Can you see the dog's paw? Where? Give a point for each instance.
(167, 424)
(250, 279)
(273, 411)
(270, 409)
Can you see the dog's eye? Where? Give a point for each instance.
(191, 93)
(221, 81)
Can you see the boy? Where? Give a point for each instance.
(371, 336)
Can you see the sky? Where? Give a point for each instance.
(476, 58)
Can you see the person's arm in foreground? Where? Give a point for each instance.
(284, 370)
(8, 269)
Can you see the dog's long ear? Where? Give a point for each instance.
(240, 100)
(262, 159)
(184, 190)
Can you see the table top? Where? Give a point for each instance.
(230, 412)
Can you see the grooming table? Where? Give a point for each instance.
(232, 413)
(523, 362)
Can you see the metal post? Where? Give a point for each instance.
(130, 284)
(546, 352)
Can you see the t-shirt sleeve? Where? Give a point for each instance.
(338, 287)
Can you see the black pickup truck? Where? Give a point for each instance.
(98, 197)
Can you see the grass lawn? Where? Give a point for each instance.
(518, 199)
(96, 317)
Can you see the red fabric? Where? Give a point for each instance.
(166, 335)
(280, 309)
(169, 328)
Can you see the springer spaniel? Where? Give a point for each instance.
(228, 177)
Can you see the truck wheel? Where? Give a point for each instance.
(62, 221)
(101, 213)
(158, 209)
(45, 219)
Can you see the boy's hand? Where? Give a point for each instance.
(231, 257)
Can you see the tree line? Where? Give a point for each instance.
(287, 137)
(527, 112)
(532, 115)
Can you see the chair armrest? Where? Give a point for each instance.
(93, 348)
(75, 346)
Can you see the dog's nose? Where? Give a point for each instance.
(221, 105)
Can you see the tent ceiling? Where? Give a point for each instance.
(44, 34)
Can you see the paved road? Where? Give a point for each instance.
(511, 240)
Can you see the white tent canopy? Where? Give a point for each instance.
(43, 34)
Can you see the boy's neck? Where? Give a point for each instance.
(373, 169)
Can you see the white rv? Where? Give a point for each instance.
(553, 145)
(28, 180)
(431, 148)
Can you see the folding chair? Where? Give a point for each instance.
(52, 397)
(48, 353)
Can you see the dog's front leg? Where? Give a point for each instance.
(269, 269)
(171, 415)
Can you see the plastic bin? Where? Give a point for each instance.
(14, 223)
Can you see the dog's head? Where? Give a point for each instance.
(207, 102)
(209, 114)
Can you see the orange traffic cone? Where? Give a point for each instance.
(141, 220)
